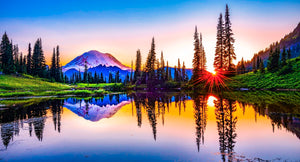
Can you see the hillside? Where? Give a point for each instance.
(278, 80)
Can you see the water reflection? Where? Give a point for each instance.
(226, 122)
(221, 113)
(15, 118)
(95, 109)
(156, 105)
(200, 110)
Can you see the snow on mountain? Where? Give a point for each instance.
(93, 58)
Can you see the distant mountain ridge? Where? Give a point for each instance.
(93, 59)
(291, 40)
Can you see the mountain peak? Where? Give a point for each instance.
(94, 58)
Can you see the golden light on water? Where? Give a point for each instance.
(210, 101)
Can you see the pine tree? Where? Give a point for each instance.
(151, 59)
(38, 59)
(29, 59)
(175, 74)
(254, 64)
(85, 74)
(167, 71)
(58, 68)
(20, 70)
(289, 53)
(202, 58)
(24, 64)
(6, 51)
(16, 57)
(53, 65)
(261, 67)
(219, 61)
(196, 59)
(228, 42)
(101, 78)
(243, 69)
(258, 60)
(179, 71)
(162, 64)
(273, 62)
(183, 74)
(138, 65)
(283, 57)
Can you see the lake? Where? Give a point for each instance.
(153, 127)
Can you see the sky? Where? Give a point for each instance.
(122, 27)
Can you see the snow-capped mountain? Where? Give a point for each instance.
(93, 58)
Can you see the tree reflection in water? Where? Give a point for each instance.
(154, 106)
(200, 114)
(14, 118)
(226, 123)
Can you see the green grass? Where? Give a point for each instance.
(93, 85)
(28, 83)
(277, 80)
(16, 94)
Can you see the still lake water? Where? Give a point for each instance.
(149, 127)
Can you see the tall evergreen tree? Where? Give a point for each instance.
(138, 65)
(150, 64)
(243, 69)
(53, 65)
(196, 59)
(16, 57)
(38, 59)
(202, 57)
(254, 64)
(20, 70)
(219, 61)
(184, 76)
(85, 74)
(179, 77)
(24, 64)
(289, 53)
(29, 59)
(101, 78)
(58, 68)
(162, 64)
(273, 62)
(6, 51)
(167, 71)
(283, 57)
(228, 42)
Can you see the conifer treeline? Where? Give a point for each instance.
(156, 72)
(277, 61)
(14, 62)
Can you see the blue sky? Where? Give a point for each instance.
(121, 27)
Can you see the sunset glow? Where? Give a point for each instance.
(122, 28)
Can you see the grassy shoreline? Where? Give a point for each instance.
(26, 85)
